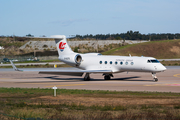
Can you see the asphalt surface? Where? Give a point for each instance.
(169, 81)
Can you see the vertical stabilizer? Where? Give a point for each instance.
(62, 45)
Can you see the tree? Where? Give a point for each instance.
(29, 35)
(118, 38)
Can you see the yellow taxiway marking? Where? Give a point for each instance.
(177, 75)
(65, 85)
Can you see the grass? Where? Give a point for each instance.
(47, 91)
(166, 49)
(110, 52)
(23, 103)
(56, 60)
(170, 63)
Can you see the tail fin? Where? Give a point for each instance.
(62, 45)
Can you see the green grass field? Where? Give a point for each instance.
(166, 49)
(35, 103)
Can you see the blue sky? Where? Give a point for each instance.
(71, 17)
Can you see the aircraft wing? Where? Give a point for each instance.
(73, 72)
(14, 67)
(56, 71)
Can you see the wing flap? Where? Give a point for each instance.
(62, 73)
(74, 72)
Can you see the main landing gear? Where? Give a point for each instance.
(87, 77)
(107, 76)
(154, 77)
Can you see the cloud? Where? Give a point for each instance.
(65, 23)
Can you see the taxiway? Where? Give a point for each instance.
(169, 81)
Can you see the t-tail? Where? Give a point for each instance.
(62, 45)
(65, 53)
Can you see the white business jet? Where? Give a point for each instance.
(96, 63)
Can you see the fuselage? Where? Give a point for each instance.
(117, 63)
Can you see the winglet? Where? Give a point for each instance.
(14, 67)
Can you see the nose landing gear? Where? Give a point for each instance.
(154, 77)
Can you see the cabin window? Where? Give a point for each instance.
(132, 63)
(126, 63)
(121, 63)
(116, 62)
(110, 62)
(100, 62)
(105, 62)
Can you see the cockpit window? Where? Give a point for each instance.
(153, 61)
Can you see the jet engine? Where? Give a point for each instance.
(78, 59)
(71, 59)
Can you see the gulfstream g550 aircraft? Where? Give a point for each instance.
(97, 63)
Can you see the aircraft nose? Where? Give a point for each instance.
(162, 68)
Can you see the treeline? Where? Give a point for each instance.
(130, 35)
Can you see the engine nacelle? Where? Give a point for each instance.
(71, 59)
(78, 59)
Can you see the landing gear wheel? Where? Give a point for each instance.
(87, 77)
(107, 77)
(154, 77)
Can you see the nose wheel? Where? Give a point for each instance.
(154, 77)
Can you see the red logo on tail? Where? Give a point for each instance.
(62, 46)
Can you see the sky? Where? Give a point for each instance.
(71, 17)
